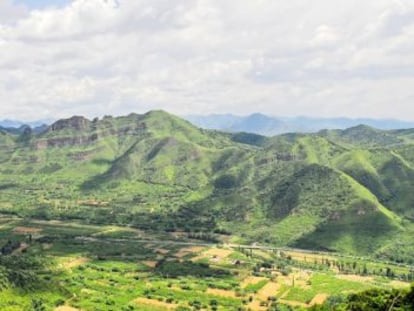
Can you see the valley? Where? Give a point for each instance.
(148, 212)
(86, 267)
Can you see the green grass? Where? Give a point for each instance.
(113, 274)
(252, 288)
(157, 171)
(326, 284)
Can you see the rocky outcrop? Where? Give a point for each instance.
(65, 141)
(87, 132)
(75, 123)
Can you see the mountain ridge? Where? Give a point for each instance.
(157, 171)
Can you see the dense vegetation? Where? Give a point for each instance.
(371, 300)
(348, 191)
(65, 265)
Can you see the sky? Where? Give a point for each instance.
(324, 58)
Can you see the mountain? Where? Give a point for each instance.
(6, 123)
(18, 127)
(340, 190)
(267, 125)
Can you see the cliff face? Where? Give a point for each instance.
(79, 131)
(65, 141)
(74, 123)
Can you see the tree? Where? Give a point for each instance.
(37, 305)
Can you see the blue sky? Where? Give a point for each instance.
(39, 4)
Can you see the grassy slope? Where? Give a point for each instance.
(331, 190)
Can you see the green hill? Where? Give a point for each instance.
(348, 191)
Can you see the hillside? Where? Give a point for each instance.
(338, 190)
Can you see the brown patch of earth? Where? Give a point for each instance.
(221, 292)
(75, 262)
(26, 230)
(255, 306)
(188, 250)
(269, 290)
(149, 263)
(308, 257)
(162, 251)
(214, 254)
(154, 302)
(355, 278)
(318, 299)
(66, 308)
(218, 252)
(22, 247)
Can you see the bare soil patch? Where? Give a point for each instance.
(66, 308)
(298, 278)
(188, 250)
(355, 278)
(218, 252)
(308, 257)
(221, 292)
(255, 306)
(162, 251)
(318, 299)
(22, 247)
(149, 263)
(154, 302)
(75, 262)
(269, 290)
(26, 230)
(214, 254)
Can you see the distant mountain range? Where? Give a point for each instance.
(6, 123)
(267, 125)
(19, 127)
(256, 123)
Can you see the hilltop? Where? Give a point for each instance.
(338, 190)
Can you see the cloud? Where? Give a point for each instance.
(10, 12)
(96, 57)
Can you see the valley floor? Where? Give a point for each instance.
(120, 268)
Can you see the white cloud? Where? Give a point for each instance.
(95, 57)
(10, 12)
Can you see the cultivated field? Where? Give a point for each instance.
(112, 268)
